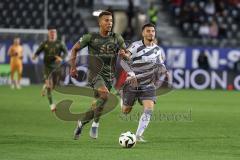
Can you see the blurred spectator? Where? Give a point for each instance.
(207, 18)
(130, 13)
(213, 30)
(222, 31)
(128, 34)
(195, 13)
(204, 30)
(220, 8)
(210, 8)
(203, 61)
(184, 14)
(152, 13)
(129, 31)
(177, 3)
(235, 3)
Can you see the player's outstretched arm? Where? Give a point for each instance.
(124, 54)
(132, 79)
(64, 51)
(10, 51)
(74, 52)
(39, 50)
(21, 53)
(168, 76)
(34, 57)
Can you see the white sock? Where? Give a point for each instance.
(144, 121)
(121, 103)
(79, 123)
(44, 87)
(94, 124)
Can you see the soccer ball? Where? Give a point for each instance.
(127, 139)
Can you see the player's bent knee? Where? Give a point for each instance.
(148, 107)
(49, 84)
(103, 93)
(126, 109)
(104, 96)
(148, 104)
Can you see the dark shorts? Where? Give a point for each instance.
(131, 94)
(52, 74)
(99, 82)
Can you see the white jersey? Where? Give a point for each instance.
(146, 54)
(146, 61)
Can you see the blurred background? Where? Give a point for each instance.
(201, 38)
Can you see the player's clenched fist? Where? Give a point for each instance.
(123, 54)
(58, 59)
(73, 72)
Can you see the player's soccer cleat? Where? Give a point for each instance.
(140, 139)
(121, 102)
(78, 130)
(44, 90)
(53, 107)
(12, 86)
(93, 132)
(18, 86)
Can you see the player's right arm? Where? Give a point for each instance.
(83, 42)
(10, 51)
(123, 52)
(39, 50)
(162, 69)
(21, 53)
(74, 51)
(125, 63)
(64, 50)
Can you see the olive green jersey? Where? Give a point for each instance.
(50, 50)
(106, 49)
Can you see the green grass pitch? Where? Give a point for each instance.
(29, 131)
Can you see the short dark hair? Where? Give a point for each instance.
(51, 27)
(148, 25)
(104, 13)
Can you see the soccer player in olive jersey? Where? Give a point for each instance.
(54, 52)
(105, 45)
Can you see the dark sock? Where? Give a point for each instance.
(99, 108)
(49, 96)
(94, 112)
(88, 116)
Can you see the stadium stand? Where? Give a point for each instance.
(180, 22)
(29, 14)
(207, 22)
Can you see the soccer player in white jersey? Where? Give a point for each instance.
(144, 67)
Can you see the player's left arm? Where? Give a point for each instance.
(125, 61)
(123, 53)
(21, 53)
(126, 65)
(63, 54)
(10, 51)
(162, 69)
(64, 51)
(38, 51)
